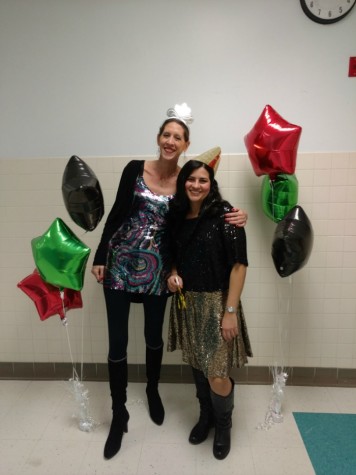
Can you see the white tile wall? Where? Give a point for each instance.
(308, 319)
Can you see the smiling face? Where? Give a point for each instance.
(172, 142)
(197, 187)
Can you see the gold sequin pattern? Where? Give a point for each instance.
(196, 331)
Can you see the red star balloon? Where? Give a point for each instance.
(48, 298)
(60, 256)
(272, 144)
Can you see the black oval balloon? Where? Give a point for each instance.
(82, 194)
(292, 242)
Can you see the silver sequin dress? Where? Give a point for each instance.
(206, 250)
(138, 259)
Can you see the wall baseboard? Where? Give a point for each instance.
(297, 376)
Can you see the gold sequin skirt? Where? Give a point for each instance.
(196, 331)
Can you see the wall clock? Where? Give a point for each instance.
(327, 11)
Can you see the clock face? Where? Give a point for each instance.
(327, 11)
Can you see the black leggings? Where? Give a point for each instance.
(118, 309)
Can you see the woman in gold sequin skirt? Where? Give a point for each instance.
(206, 320)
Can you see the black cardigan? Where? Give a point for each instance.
(120, 209)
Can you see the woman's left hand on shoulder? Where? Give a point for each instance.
(237, 217)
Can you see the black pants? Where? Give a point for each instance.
(118, 309)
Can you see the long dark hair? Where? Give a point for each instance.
(179, 205)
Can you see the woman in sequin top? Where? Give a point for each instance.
(133, 262)
(206, 319)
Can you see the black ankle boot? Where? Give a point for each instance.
(200, 431)
(153, 370)
(223, 407)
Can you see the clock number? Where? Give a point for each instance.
(326, 11)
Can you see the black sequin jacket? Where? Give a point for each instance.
(206, 248)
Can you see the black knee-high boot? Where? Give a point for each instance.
(153, 371)
(223, 407)
(118, 385)
(200, 431)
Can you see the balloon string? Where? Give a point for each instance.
(274, 413)
(86, 422)
(75, 374)
(65, 323)
(82, 350)
(64, 318)
(69, 346)
(283, 333)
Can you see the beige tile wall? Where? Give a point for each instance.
(308, 319)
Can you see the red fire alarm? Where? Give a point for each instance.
(352, 67)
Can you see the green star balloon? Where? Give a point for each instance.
(60, 256)
(279, 196)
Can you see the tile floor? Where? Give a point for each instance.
(39, 431)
